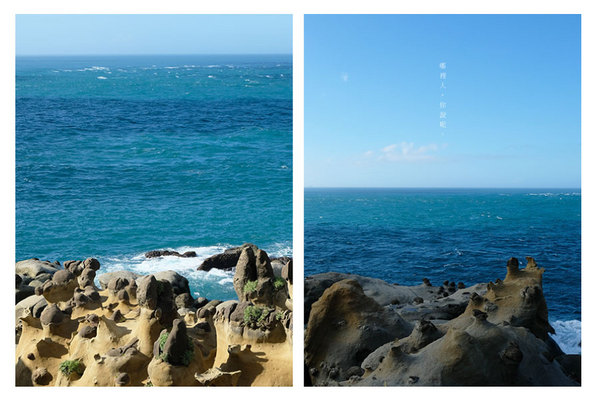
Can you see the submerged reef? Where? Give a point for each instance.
(148, 330)
(362, 331)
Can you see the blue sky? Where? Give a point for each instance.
(373, 91)
(153, 34)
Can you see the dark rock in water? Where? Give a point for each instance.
(226, 260)
(19, 279)
(162, 253)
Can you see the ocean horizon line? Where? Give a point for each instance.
(150, 54)
(438, 188)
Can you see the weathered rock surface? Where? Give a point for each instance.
(178, 282)
(129, 333)
(163, 253)
(225, 260)
(344, 327)
(104, 279)
(494, 334)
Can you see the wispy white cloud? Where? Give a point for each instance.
(405, 152)
(345, 76)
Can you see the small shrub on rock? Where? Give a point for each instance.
(69, 366)
(279, 283)
(250, 286)
(254, 316)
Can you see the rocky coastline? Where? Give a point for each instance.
(149, 330)
(361, 331)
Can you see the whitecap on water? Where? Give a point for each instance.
(568, 335)
(214, 284)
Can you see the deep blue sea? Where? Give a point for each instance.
(405, 235)
(118, 155)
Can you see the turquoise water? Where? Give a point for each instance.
(116, 156)
(405, 235)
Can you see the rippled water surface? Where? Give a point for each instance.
(116, 156)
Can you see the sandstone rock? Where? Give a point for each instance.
(178, 282)
(184, 300)
(499, 338)
(52, 315)
(287, 271)
(105, 279)
(344, 327)
(23, 292)
(33, 267)
(177, 344)
(41, 376)
(147, 292)
(254, 266)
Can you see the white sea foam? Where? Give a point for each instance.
(186, 266)
(94, 68)
(568, 335)
(214, 284)
(555, 194)
(101, 77)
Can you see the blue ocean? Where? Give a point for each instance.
(119, 155)
(405, 235)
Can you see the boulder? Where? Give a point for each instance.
(254, 266)
(225, 260)
(178, 282)
(33, 267)
(163, 253)
(177, 344)
(104, 279)
(344, 327)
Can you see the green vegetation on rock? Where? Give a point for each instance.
(279, 283)
(69, 366)
(254, 316)
(250, 286)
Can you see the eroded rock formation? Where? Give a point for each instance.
(148, 330)
(363, 331)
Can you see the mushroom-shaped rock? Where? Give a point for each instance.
(177, 345)
(147, 292)
(52, 315)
